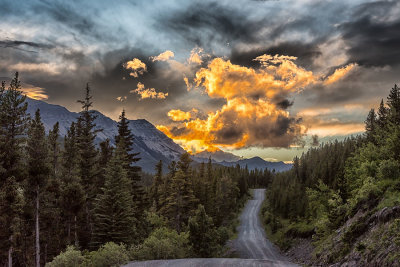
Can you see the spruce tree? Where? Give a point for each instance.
(382, 115)
(202, 234)
(114, 221)
(370, 126)
(38, 169)
(156, 187)
(88, 168)
(393, 102)
(13, 125)
(51, 218)
(125, 140)
(72, 193)
(181, 202)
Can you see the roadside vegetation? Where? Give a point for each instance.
(344, 196)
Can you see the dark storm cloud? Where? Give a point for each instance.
(19, 44)
(373, 38)
(204, 23)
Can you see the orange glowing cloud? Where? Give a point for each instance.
(251, 115)
(179, 115)
(340, 73)
(144, 92)
(254, 113)
(195, 56)
(34, 92)
(136, 66)
(163, 56)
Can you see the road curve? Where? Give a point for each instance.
(252, 245)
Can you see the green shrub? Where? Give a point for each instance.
(71, 257)
(108, 255)
(163, 243)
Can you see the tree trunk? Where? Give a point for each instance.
(37, 229)
(10, 252)
(69, 230)
(75, 233)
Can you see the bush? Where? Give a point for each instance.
(163, 243)
(71, 257)
(108, 255)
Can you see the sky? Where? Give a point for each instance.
(251, 77)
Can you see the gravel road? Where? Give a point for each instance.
(252, 246)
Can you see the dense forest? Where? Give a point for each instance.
(344, 195)
(89, 204)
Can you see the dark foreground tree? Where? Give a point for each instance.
(114, 219)
(39, 171)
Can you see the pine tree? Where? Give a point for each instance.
(38, 169)
(88, 168)
(166, 188)
(124, 140)
(54, 148)
(393, 102)
(382, 115)
(105, 155)
(181, 202)
(51, 218)
(13, 125)
(156, 187)
(114, 221)
(202, 234)
(370, 126)
(72, 193)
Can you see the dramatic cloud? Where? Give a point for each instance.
(34, 92)
(340, 73)
(136, 66)
(196, 56)
(163, 56)
(148, 92)
(179, 115)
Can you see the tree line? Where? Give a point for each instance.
(72, 196)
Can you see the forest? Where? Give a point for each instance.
(345, 195)
(67, 201)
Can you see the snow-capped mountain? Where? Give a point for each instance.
(152, 144)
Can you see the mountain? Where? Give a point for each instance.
(259, 163)
(218, 156)
(152, 144)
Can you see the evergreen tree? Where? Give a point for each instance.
(181, 202)
(156, 188)
(114, 221)
(370, 126)
(382, 115)
(124, 140)
(51, 218)
(393, 102)
(202, 234)
(166, 188)
(88, 167)
(39, 170)
(106, 151)
(54, 148)
(13, 125)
